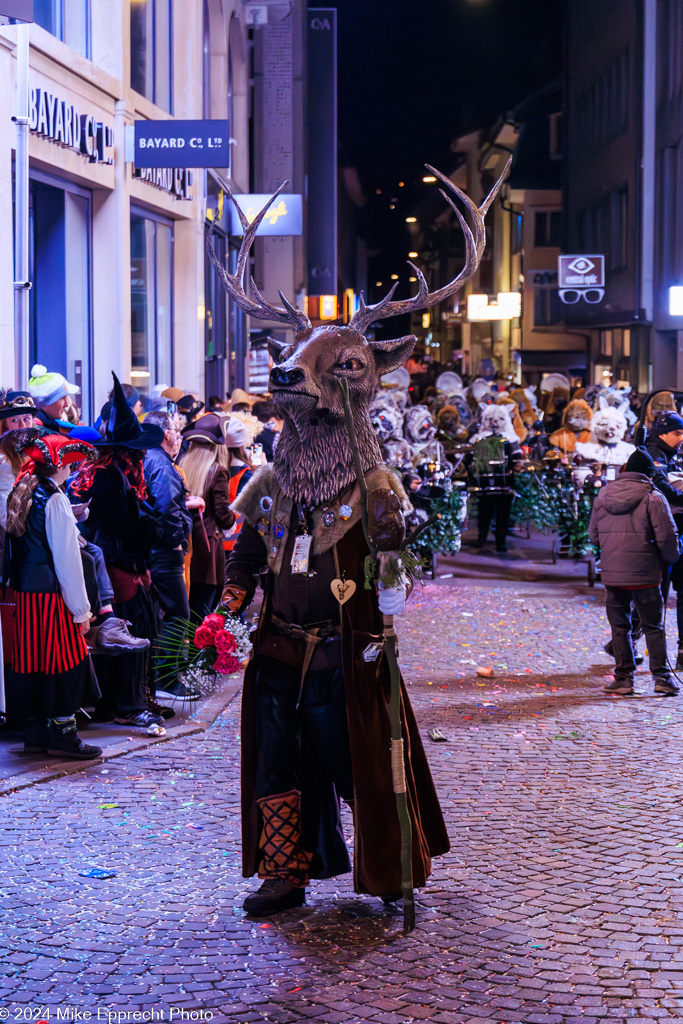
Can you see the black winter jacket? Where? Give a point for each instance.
(632, 525)
(662, 456)
(167, 495)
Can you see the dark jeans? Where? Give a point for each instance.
(650, 608)
(97, 583)
(501, 504)
(676, 580)
(287, 739)
(167, 568)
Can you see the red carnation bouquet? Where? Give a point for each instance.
(221, 643)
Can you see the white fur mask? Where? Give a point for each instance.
(608, 426)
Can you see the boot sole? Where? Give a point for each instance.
(290, 902)
(666, 693)
(619, 693)
(69, 755)
(113, 649)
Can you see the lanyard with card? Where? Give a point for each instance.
(301, 555)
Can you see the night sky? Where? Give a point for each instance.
(414, 74)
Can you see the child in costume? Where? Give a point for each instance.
(52, 674)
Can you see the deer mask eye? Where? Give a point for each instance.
(351, 364)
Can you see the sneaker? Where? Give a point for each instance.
(667, 687)
(159, 709)
(623, 687)
(178, 690)
(139, 719)
(64, 741)
(274, 895)
(113, 637)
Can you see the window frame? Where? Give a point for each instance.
(57, 7)
(154, 97)
(143, 212)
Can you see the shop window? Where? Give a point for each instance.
(60, 269)
(151, 250)
(69, 20)
(151, 51)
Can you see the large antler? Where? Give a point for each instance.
(474, 248)
(234, 283)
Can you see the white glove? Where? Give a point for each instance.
(392, 600)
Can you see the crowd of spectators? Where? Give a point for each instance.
(115, 537)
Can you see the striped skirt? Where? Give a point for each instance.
(46, 639)
(52, 673)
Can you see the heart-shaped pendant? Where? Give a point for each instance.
(343, 590)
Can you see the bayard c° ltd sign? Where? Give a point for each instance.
(174, 143)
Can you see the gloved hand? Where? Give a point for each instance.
(392, 600)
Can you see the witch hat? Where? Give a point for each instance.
(124, 429)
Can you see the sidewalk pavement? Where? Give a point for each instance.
(19, 770)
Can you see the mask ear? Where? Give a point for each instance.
(277, 349)
(389, 355)
(602, 402)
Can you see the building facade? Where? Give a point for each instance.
(120, 278)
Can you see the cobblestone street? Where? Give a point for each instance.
(560, 900)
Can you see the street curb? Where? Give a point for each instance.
(210, 711)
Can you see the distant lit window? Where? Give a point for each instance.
(151, 60)
(68, 20)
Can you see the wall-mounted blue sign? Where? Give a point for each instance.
(182, 144)
(283, 217)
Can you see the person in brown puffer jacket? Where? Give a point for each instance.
(632, 525)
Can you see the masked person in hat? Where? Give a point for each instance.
(206, 476)
(51, 393)
(52, 675)
(17, 410)
(632, 525)
(239, 468)
(123, 525)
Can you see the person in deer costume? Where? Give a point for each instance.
(314, 711)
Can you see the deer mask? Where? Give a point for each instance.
(313, 461)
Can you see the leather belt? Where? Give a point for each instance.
(312, 636)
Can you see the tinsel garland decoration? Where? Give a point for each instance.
(444, 535)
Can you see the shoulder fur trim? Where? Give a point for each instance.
(248, 502)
